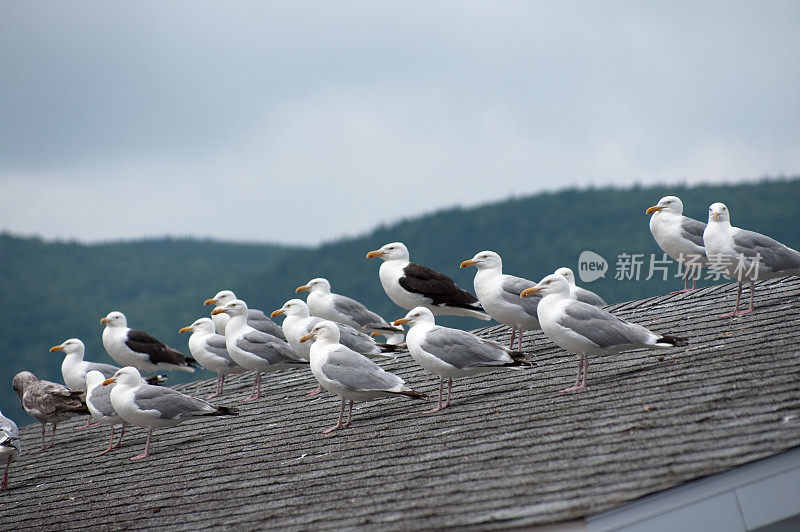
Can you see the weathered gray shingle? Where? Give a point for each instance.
(509, 452)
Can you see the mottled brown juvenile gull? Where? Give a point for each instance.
(410, 285)
(9, 446)
(679, 236)
(745, 255)
(48, 402)
(452, 353)
(348, 374)
(255, 318)
(145, 405)
(211, 352)
(130, 347)
(588, 330)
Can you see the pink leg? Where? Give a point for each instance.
(220, 382)
(87, 425)
(53, 439)
(736, 309)
(121, 434)
(315, 391)
(43, 447)
(580, 382)
(146, 452)
(339, 424)
(521, 332)
(752, 297)
(441, 406)
(256, 393)
(513, 336)
(4, 483)
(110, 444)
(349, 415)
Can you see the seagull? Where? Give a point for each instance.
(742, 254)
(48, 402)
(255, 318)
(210, 351)
(299, 322)
(452, 353)
(145, 405)
(410, 285)
(130, 347)
(9, 446)
(348, 374)
(576, 292)
(255, 350)
(341, 309)
(499, 295)
(98, 400)
(679, 236)
(587, 330)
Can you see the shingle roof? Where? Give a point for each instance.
(509, 452)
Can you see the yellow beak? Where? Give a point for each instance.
(218, 310)
(209, 301)
(373, 254)
(104, 320)
(466, 263)
(56, 348)
(654, 208)
(303, 288)
(529, 291)
(186, 329)
(109, 381)
(401, 321)
(306, 337)
(276, 313)
(715, 215)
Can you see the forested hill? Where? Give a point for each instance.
(55, 291)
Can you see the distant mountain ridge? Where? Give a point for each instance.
(57, 290)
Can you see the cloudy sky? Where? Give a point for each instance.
(303, 121)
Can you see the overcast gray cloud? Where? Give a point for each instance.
(279, 121)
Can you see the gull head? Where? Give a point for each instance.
(127, 376)
(94, 378)
(323, 332)
(294, 308)
(552, 284)
(222, 297)
(22, 380)
(114, 319)
(393, 251)
(202, 324)
(484, 260)
(73, 345)
(237, 307)
(718, 212)
(567, 274)
(671, 204)
(319, 285)
(416, 315)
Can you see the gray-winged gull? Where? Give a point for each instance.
(48, 402)
(745, 255)
(145, 405)
(410, 285)
(348, 374)
(255, 350)
(499, 295)
(131, 347)
(452, 353)
(588, 330)
(98, 400)
(679, 236)
(255, 318)
(576, 292)
(9, 446)
(210, 351)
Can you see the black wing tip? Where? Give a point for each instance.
(157, 380)
(224, 411)
(191, 362)
(413, 394)
(390, 348)
(676, 341)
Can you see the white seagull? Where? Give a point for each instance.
(9, 446)
(499, 295)
(679, 236)
(98, 400)
(145, 405)
(130, 347)
(576, 292)
(255, 350)
(348, 374)
(410, 285)
(452, 353)
(588, 330)
(255, 318)
(745, 255)
(210, 351)
(324, 304)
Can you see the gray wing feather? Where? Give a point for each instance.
(169, 403)
(692, 230)
(589, 297)
(7, 426)
(358, 373)
(106, 369)
(100, 398)
(215, 343)
(360, 313)
(513, 286)
(774, 256)
(272, 349)
(261, 322)
(601, 327)
(464, 350)
(357, 341)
